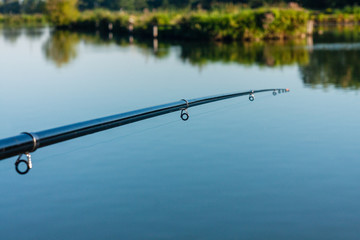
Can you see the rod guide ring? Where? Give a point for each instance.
(36, 140)
(27, 162)
(184, 113)
(187, 103)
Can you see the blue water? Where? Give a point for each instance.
(283, 167)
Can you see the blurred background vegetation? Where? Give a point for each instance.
(205, 18)
(39, 6)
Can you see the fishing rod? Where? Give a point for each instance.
(28, 142)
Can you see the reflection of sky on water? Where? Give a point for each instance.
(283, 167)
(334, 46)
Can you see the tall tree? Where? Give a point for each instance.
(33, 6)
(126, 4)
(11, 6)
(61, 12)
(89, 4)
(140, 4)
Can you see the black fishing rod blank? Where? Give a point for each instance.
(26, 142)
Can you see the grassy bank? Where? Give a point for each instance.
(242, 25)
(23, 20)
(237, 24)
(337, 16)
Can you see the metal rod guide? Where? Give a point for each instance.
(251, 96)
(184, 112)
(27, 162)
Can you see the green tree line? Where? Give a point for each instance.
(38, 6)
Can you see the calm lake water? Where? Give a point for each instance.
(284, 167)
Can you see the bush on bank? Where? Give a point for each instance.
(23, 19)
(242, 25)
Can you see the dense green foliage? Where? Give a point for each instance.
(223, 20)
(208, 4)
(38, 6)
(347, 15)
(62, 12)
(240, 25)
(23, 20)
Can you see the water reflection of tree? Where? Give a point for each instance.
(336, 68)
(334, 64)
(61, 47)
(11, 34)
(337, 34)
(261, 53)
(33, 33)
